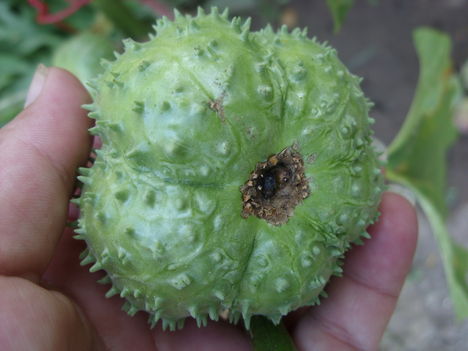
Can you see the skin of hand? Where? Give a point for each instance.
(49, 302)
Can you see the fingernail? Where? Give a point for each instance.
(36, 85)
(402, 191)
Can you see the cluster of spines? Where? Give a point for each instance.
(236, 23)
(152, 307)
(242, 28)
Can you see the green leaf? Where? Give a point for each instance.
(268, 337)
(417, 156)
(418, 151)
(339, 10)
(454, 257)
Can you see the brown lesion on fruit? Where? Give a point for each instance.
(217, 106)
(275, 187)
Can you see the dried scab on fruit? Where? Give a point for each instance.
(275, 187)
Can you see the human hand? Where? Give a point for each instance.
(49, 302)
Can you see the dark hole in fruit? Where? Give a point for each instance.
(273, 179)
(275, 187)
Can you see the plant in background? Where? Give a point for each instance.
(461, 117)
(339, 10)
(24, 44)
(22, 47)
(417, 155)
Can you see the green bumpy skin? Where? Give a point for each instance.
(184, 119)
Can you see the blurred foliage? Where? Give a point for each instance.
(339, 10)
(417, 156)
(185, 4)
(82, 54)
(22, 46)
(464, 76)
(269, 337)
(266, 10)
(461, 118)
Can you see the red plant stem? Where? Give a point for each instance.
(44, 17)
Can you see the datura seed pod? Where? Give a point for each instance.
(236, 169)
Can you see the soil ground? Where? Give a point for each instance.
(376, 43)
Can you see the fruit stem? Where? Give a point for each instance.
(269, 337)
(123, 18)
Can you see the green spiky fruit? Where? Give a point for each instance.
(236, 169)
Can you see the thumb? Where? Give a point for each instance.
(40, 151)
(37, 85)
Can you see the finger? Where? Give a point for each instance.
(119, 331)
(41, 149)
(362, 301)
(214, 337)
(32, 318)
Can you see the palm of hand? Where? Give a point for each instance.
(49, 302)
